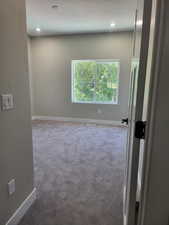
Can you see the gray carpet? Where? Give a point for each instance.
(79, 173)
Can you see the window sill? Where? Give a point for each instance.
(96, 103)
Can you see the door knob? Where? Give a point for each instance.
(125, 120)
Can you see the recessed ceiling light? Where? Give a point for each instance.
(38, 29)
(112, 24)
(139, 23)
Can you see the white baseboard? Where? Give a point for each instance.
(21, 211)
(79, 120)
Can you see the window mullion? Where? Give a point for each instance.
(94, 96)
(111, 81)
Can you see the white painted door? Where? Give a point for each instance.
(137, 89)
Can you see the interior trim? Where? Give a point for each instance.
(23, 208)
(79, 120)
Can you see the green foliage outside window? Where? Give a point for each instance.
(95, 81)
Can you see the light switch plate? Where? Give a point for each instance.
(11, 187)
(7, 102)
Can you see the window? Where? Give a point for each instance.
(95, 81)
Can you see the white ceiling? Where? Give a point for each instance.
(79, 16)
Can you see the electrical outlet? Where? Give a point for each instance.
(7, 102)
(99, 111)
(11, 187)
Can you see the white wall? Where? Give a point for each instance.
(51, 68)
(16, 159)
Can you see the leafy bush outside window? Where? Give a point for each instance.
(95, 81)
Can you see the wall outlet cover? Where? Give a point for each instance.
(11, 187)
(99, 111)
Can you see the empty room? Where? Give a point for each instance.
(84, 112)
(80, 61)
(83, 64)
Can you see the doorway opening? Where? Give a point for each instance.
(83, 65)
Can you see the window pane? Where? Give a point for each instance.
(84, 92)
(107, 82)
(85, 71)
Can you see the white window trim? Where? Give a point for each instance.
(73, 62)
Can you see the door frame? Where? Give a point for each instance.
(144, 54)
(158, 25)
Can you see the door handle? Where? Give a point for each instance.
(125, 120)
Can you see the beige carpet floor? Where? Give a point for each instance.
(79, 174)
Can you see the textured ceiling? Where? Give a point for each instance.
(79, 16)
